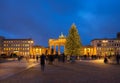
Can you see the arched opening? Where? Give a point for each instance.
(61, 49)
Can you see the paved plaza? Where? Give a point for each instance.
(82, 71)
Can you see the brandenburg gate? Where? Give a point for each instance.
(57, 42)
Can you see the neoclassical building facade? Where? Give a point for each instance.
(106, 47)
(21, 47)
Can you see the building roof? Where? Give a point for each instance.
(38, 46)
(20, 39)
(106, 39)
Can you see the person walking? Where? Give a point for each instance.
(105, 59)
(19, 58)
(51, 59)
(37, 58)
(42, 61)
(63, 58)
(117, 58)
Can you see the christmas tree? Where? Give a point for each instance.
(73, 42)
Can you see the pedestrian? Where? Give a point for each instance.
(117, 58)
(42, 61)
(51, 59)
(72, 58)
(19, 58)
(63, 58)
(37, 58)
(105, 59)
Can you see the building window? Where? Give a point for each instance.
(98, 45)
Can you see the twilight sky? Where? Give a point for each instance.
(44, 19)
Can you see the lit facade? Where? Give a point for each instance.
(21, 47)
(89, 50)
(53, 43)
(106, 46)
(1, 44)
(39, 50)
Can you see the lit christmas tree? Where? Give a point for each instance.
(73, 43)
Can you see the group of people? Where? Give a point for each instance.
(50, 59)
(117, 58)
(62, 58)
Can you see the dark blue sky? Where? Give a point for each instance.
(44, 19)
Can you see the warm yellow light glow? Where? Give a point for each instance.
(105, 41)
(56, 42)
(40, 51)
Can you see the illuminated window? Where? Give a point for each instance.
(30, 41)
(105, 41)
(26, 44)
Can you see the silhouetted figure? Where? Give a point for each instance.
(72, 59)
(63, 58)
(37, 58)
(51, 59)
(105, 60)
(19, 58)
(117, 58)
(92, 56)
(42, 61)
(85, 56)
(59, 58)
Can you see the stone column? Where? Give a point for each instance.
(50, 49)
(58, 49)
(54, 49)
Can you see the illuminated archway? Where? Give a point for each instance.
(57, 43)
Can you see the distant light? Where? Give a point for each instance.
(105, 41)
(16, 51)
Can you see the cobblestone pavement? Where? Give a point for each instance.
(79, 72)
